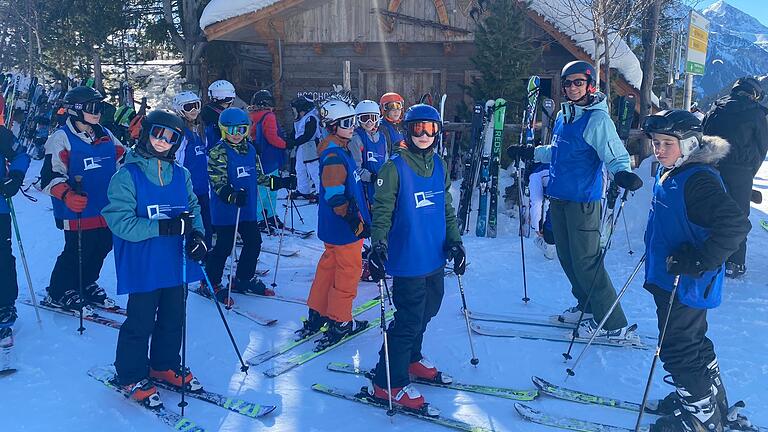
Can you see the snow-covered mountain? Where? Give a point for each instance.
(739, 41)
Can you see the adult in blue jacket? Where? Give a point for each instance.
(693, 227)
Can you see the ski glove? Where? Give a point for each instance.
(74, 201)
(628, 180)
(525, 153)
(459, 257)
(11, 184)
(356, 223)
(196, 247)
(756, 197)
(179, 225)
(231, 196)
(686, 261)
(376, 259)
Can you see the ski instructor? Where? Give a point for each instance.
(584, 138)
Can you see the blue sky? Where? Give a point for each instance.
(756, 8)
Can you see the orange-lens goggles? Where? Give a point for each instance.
(428, 128)
(396, 105)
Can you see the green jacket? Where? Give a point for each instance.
(120, 213)
(387, 186)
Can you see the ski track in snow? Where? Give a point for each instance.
(53, 361)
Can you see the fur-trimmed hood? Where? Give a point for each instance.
(713, 149)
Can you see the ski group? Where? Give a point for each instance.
(199, 184)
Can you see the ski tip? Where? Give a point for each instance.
(7, 372)
(525, 410)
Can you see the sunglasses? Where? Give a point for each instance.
(234, 130)
(93, 107)
(368, 118)
(393, 106)
(171, 136)
(191, 106)
(346, 123)
(577, 82)
(421, 128)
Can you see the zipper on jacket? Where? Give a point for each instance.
(160, 172)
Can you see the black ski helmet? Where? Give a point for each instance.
(263, 99)
(164, 118)
(78, 98)
(749, 85)
(301, 103)
(681, 124)
(581, 67)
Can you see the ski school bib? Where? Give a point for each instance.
(272, 158)
(96, 163)
(155, 263)
(196, 161)
(416, 240)
(241, 173)
(575, 171)
(668, 229)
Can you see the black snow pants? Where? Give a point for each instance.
(9, 288)
(96, 245)
(249, 256)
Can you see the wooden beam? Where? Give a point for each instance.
(220, 29)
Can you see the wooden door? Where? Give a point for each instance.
(409, 83)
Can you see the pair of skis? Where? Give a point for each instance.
(492, 137)
(106, 375)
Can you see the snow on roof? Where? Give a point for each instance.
(578, 26)
(220, 10)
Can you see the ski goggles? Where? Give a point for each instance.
(171, 136)
(421, 128)
(396, 105)
(191, 106)
(234, 130)
(578, 82)
(92, 107)
(346, 122)
(368, 118)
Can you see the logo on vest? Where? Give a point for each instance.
(372, 157)
(356, 176)
(199, 150)
(423, 198)
(242, 171)
(161, 211)
(90, 163)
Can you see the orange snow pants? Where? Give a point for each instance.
(336, 279)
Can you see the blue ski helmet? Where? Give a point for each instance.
(234, 120)
(421, 112)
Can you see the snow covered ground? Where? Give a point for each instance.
(51, 390)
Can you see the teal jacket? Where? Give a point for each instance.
(600, 133)
(120, 213)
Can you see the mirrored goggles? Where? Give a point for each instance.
(235, 130)
(396, 105)
(420, 128)
(92, 107)
(171, 136)
(346, 123)
(368, 118)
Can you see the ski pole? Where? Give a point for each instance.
(279, 244)
(601, 260)
(78, 189)
(526, 299)
(243, 366)
(571, 371)
(390, 411)
(474, 361)
(184, 287)
(626, 230)
(658, 352)
(386, 286)
(24, 260)
(232, 264)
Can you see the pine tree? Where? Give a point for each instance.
(503, 52)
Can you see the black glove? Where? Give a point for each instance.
(686, 261)
(525, 153)
(459, 257)
(376, 259)
(231, 196)
(179, 225)
(373, 178)
(628, 180)
(196, 247)
(11, 184)
(756, 197)
(355, 222)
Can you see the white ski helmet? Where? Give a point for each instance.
(368, 107)
(335, 110)
(221, 89)
(182, 99)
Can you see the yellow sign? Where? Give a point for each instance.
(698, 37)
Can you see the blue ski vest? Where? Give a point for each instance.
(332, 228)
(668, 228)
(392, 132)
(575, 171)
(96, 164)
(20, 163)
(155, 263)
(416, 240)
(374, 157)
(272, 158)
(241, 173)
(196, 161)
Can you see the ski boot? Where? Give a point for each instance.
(337, 331)
(222, 296)
(7, 316)
(95, 295)
(173, 377)
(366, 273)
(695, 414)
(625, 335)
(313, 323)
(718, 389)
(734, 271)
(425, 370)
(275, 223)
(549, 250)
(668, 405)
(143, 392)
(70, 301)
(408, 397)
(263, 227)
(253, 286)
(572, 314)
